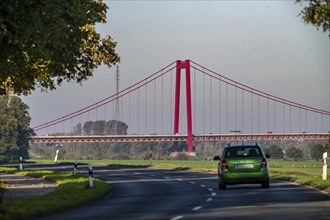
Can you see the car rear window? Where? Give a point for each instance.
(243, 151)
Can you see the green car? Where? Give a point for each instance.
(243, 164)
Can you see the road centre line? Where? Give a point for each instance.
(177, 217)
(197, 208)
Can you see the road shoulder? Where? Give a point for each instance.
(19, 187)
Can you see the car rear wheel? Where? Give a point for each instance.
(265, 184)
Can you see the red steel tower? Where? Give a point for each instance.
(183, 65)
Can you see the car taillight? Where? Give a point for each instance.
(263, 163)
(224, 164)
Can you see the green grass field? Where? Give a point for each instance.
(303, 172)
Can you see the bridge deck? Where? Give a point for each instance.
(179, 137)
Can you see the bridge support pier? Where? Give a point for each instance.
(183, 65)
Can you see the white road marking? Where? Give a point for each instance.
(209, 189)
(192, 182)
(166, 177)
(179, 179)
(202, 185)
(138, 173)
(213, 194)
(197, 208)
(177, 217)
(209, 199)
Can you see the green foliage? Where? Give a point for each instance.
(101, 128)
(294, 153)
(327, 146)
(14, 128)
(46, 42)
(317, 151)
(116, 127)
(88, 127)
(275, 151)
(317, 13)
(77, 130)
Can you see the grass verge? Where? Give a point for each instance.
(307, 173)
(72, 191)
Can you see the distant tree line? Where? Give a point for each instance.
(278, 150)
(100, 127)
(97, 151)
(293, 152)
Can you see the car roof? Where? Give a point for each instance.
(242, 145)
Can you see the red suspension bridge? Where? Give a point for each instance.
(215, 106)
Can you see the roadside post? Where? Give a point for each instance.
(58, 147)
(325, 166)
(90, 174)
(20, 163)
(56, 156)
(75, 167)
(150, 159)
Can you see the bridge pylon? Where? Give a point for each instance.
(183, 65)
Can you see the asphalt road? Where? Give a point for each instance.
(142, 193)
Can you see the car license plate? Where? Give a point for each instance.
(244, 166)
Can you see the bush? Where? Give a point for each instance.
(317, 151)
(294, 153)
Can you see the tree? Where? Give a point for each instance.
(294, 153)
(116, 127)
(317, 151)
(77, 130)
(99, 127)
(47, 42)
(317, 13)
(8, 136)
(104, 128)
(327, 146)
(88, 128)
(14, 128)
(275, 151)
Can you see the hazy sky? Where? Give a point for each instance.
(263, 44)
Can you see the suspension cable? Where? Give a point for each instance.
(106, 100)
(210, 105)
(146, 109)
(263, 94)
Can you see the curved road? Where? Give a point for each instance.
(142, 193)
